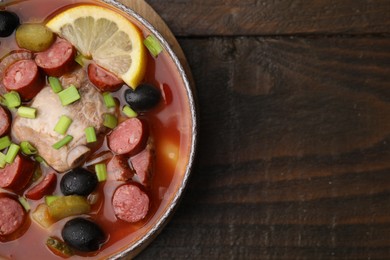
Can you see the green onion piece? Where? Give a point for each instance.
(69, 95)
(55, 84)
(50, 198)
(80, 59)
(108, 100)
(40, 159)
(90, 134)
(58, 247)
(11, 153)
(2, 160)
(27, 148)
(129, 112)
(101, 171)
(12, 99)
(110, 121)
(5, 142)
(27, 112)
(24, 203)
(64, 141)
(63, 125)
(153, 45)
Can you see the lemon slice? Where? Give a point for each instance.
(107, 37)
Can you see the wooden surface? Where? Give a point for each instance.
(294, 151)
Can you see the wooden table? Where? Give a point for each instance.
(294, 151)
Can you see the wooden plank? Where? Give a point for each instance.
(292, 97)
(273, 17)
(294, 152)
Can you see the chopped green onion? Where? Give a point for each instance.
(69, 95)
(80, 59)
(90, 134)
(108, 100)
(2, 160)
(101, 171)
(63, 125)
(24, 203)
(129, 112)
(11, 153)
(153, 45)
(5, 142)
(58, 247)
(12, 99)
(110, 121)
(64, 141)
(27, 148)
(40, 159)
(27, 112)
(55, 84)
(50, 198)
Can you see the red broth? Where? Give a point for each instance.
(170, 126)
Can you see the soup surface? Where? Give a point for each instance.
(169, 127)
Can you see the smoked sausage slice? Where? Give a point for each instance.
(23, 77)
(5, 121)
(130, 203)
(17, 175)
(103, 79)
(58, 59)
(44, 187)
(11, 58)
(129, 137)
(143, 165)
(12, 215)
(118, 169)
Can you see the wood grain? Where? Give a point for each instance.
(273, 17)
(294, 152)
(301, 97)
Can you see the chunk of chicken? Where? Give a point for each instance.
(88, 111)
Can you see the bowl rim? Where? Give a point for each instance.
(137, 247)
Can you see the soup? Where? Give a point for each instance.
(168, 129)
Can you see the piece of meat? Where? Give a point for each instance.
(44, 187)
(88, 111)
(130, 203)
(129, 137)
(58, 59)
(103, 79)
(76, 78)
(17, 175)
(11, 58)
(118, 169)
(23, 77)
(143, 164)
(5, 121)
(12, 215)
